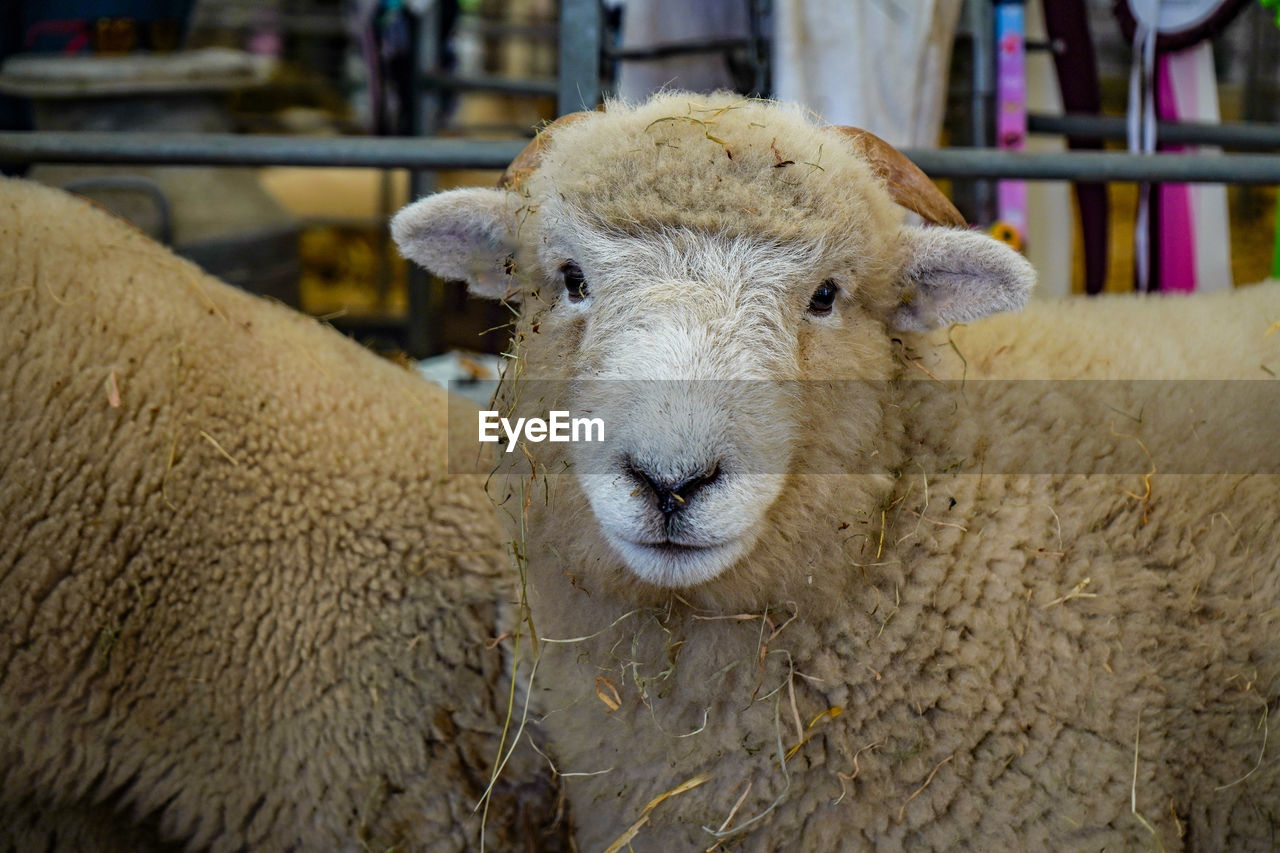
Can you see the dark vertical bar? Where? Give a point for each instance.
(383, 240)
(1252, 103)
(1067, 25)
(982, 27)
(580, 35)
(423, 322)
(759, 14)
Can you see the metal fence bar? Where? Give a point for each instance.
(492, 83)
(666, 51)
(398, 152)
(224, 149)
(580, 49)
(1238, 135)
(981, 25)
(1099, 166)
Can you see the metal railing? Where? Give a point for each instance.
(229, 149)
(438, 153)
(1240, 136)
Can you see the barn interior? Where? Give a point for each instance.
(341, 111)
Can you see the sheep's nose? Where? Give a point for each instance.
(673, 494)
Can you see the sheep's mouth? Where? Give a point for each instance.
(677, 564)
(674, 548)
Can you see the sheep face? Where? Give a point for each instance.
(684, 343)
(687, 264)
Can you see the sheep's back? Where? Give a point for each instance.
(243, 598)
(1227, 334)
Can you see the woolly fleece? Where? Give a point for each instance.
(244, 607)
(940, 653)
(948, 659)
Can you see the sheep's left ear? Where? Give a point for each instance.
(463, 235)
(955, 276)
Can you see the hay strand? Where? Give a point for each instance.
(607, 693)
(203, 295)
(1076, 592)
(586, 637)
(1262, 724)
(113, 391)
(219, 448)
(1133, 790)
(732, 812)
(1144, 498)
(63, 301)
(964, 362)
(555, 771)
(633, 830)
(501, 759)
(795, 712)
(786, 789)
(856, 770)
(829, 714)
(903, 811)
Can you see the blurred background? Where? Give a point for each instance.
(921, 73)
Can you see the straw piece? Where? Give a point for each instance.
(634, 829)
(902, 811)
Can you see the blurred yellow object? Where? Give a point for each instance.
(116, 36)
(1008, 234)
(342, 273)
(335, 193)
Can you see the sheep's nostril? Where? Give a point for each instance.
(673, 494)
(684, 492)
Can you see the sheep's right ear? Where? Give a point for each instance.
(467, 235)
(955, 276)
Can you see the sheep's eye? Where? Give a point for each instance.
(824, 298)
(575, 284)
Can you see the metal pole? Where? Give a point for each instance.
(1100, 166)
(422, 325)
(759, 14)
(227, 149)
(980, 19)
(491, 83)
(1241, 136)
(580, 46)
(391, 152)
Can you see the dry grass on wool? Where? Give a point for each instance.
(791, 732)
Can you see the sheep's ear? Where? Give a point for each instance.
(954, 276)
(466, 235)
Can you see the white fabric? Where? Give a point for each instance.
(655, 23)
(876, 64)
(1173, 15)
(1197, 100)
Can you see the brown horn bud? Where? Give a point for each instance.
(907, 185)
(526, 162)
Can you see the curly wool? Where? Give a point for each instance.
(941, 653)
(963, 661)
(244, 604)
(724, 165)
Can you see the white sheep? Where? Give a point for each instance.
(846, 596)
(244, 606)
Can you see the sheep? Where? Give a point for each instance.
(245, 606)
(854, 592)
